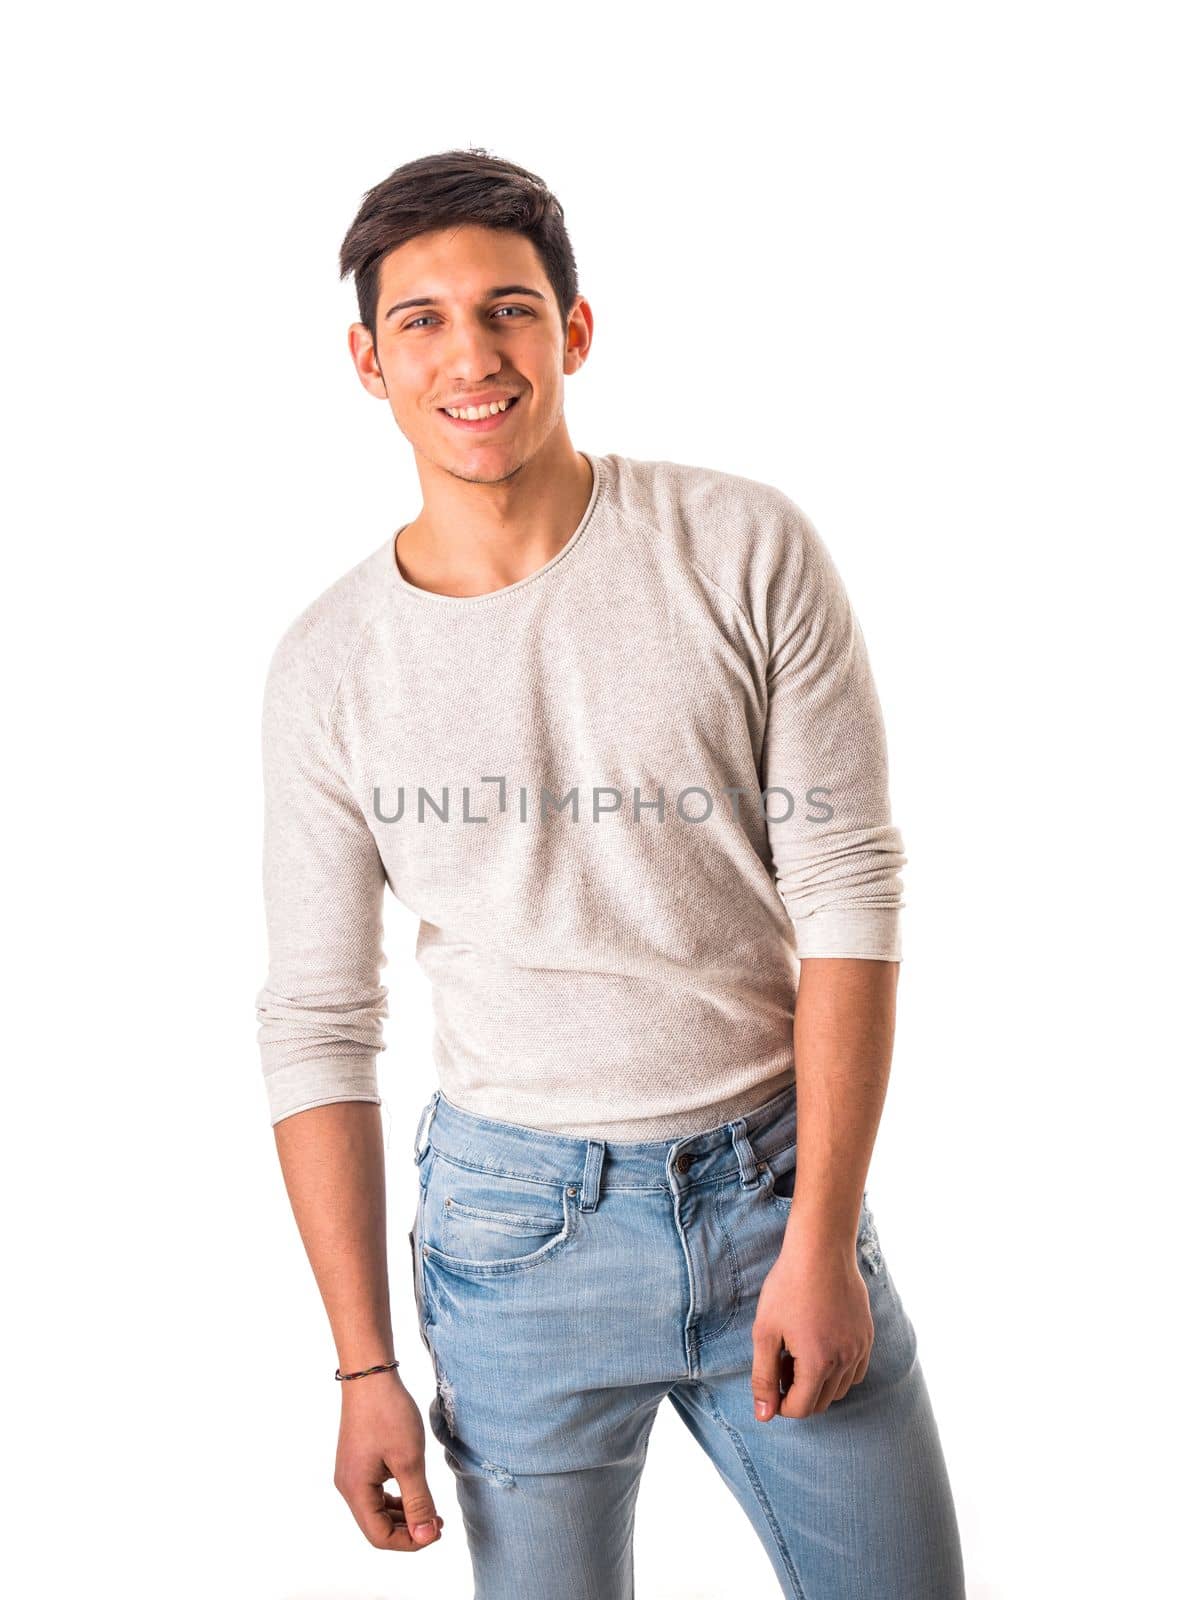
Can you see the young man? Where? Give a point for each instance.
(608, 727)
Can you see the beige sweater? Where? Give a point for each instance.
(623, 796)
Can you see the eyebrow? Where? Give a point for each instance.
(492, 294)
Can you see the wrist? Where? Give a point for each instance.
(364, 1361)
(817, 1235)
(365, 1342)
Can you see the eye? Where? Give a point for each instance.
(524, 310)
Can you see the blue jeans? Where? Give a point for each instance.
(565, 1286)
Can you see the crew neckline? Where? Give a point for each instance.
(493, 595)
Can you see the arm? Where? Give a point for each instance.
(838, 873)
(321, 1012)
(333, 1167)
(814, 1302)
(844, 1028)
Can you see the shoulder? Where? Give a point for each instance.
(744, 534)
(309, 659)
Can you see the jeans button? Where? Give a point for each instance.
(683, 1163)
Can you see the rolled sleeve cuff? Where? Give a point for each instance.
(859, 931)
(319, 1083)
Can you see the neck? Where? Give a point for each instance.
(473, 537)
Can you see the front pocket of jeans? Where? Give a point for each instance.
(782, 1170)
(868, 1241)
(418, 1282)
(502, 1221)
(480, 1223)
(418, 1296)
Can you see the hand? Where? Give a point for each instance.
(816, 1304)
(382, 1436)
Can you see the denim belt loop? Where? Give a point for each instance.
(747, 1161)
(592, 1168)
(426, 1118)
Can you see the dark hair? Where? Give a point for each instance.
(455, 187)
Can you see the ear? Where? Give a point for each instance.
(362, 353)
(579, 336)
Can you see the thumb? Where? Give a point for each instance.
(764, 1375)
(420, 1514)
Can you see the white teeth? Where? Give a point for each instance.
(473, 413)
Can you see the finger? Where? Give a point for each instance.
(831, 1393)
(417, 1507)
(807, 1397)
(395, 1506)
(382, 1526)
(826, 1393)
(764, 1375)
(843, 1388)
(381, 1516)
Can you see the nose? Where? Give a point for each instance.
(472, 354)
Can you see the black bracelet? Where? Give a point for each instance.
(344, 1377)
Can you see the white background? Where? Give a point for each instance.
(931, 269)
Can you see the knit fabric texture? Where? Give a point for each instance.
(624, 797)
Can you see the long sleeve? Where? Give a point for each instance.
(825, 744)
(321, 1008)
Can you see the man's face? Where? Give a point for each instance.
(465, 344)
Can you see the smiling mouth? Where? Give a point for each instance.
(482, 424)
